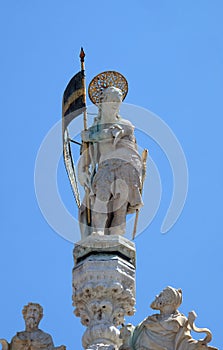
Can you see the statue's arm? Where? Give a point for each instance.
(5, 344)
(171, 325)
(96, 136)
(202, 343)
(84, 175)
(113, 131)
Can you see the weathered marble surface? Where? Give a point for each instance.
(112, 171)
(32, 338)
(100, 244)
(168, 330)
(103, 288)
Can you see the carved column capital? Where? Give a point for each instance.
(103, 288)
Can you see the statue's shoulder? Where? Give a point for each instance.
(180, 318)
(125, 122)
(19, 336)
(142, 325)
(44, 337)
(19, 341)
(151, 318)
(39, 335)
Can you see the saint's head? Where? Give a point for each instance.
(32, 314)
(111, 99)
(169, 299)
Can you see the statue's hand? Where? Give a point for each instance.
(115, 128)
(117, 133)
(84, 179)
(85, 136)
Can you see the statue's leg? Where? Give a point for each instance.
(100, 214)
(118, 224)
(99, 222)
(101, 187)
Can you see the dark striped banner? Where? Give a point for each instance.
(73, 98)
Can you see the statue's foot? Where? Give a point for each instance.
(118, 230)
(98, 233)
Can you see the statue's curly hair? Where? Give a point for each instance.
(38, 306)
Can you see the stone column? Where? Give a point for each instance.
(103, 288)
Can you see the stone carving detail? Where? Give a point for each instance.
(103, 289)
(32, 338)
(168, 330)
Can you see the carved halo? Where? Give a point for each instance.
(104, 80)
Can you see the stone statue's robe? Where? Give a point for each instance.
(163, 333)
(117, 178)
(32, 341)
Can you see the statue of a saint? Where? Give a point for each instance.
(110, 168)
(168, 330)
(116, 168)
(32, 338)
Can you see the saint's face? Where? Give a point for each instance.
(158, 302)
(112, 102)
(32, 316)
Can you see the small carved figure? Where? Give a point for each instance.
(168, 330)
(115, 179)
(32, 338)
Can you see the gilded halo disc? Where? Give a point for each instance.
(104, 80)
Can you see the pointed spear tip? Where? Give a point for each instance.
(82, 54)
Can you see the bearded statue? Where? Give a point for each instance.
(32, 338)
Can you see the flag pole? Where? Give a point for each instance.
(82, 56)
(85, 144)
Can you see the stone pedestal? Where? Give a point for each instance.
(103, 288)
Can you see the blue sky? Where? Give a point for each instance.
(171, 53)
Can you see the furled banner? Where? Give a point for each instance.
(73, 105)
(73, 99)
